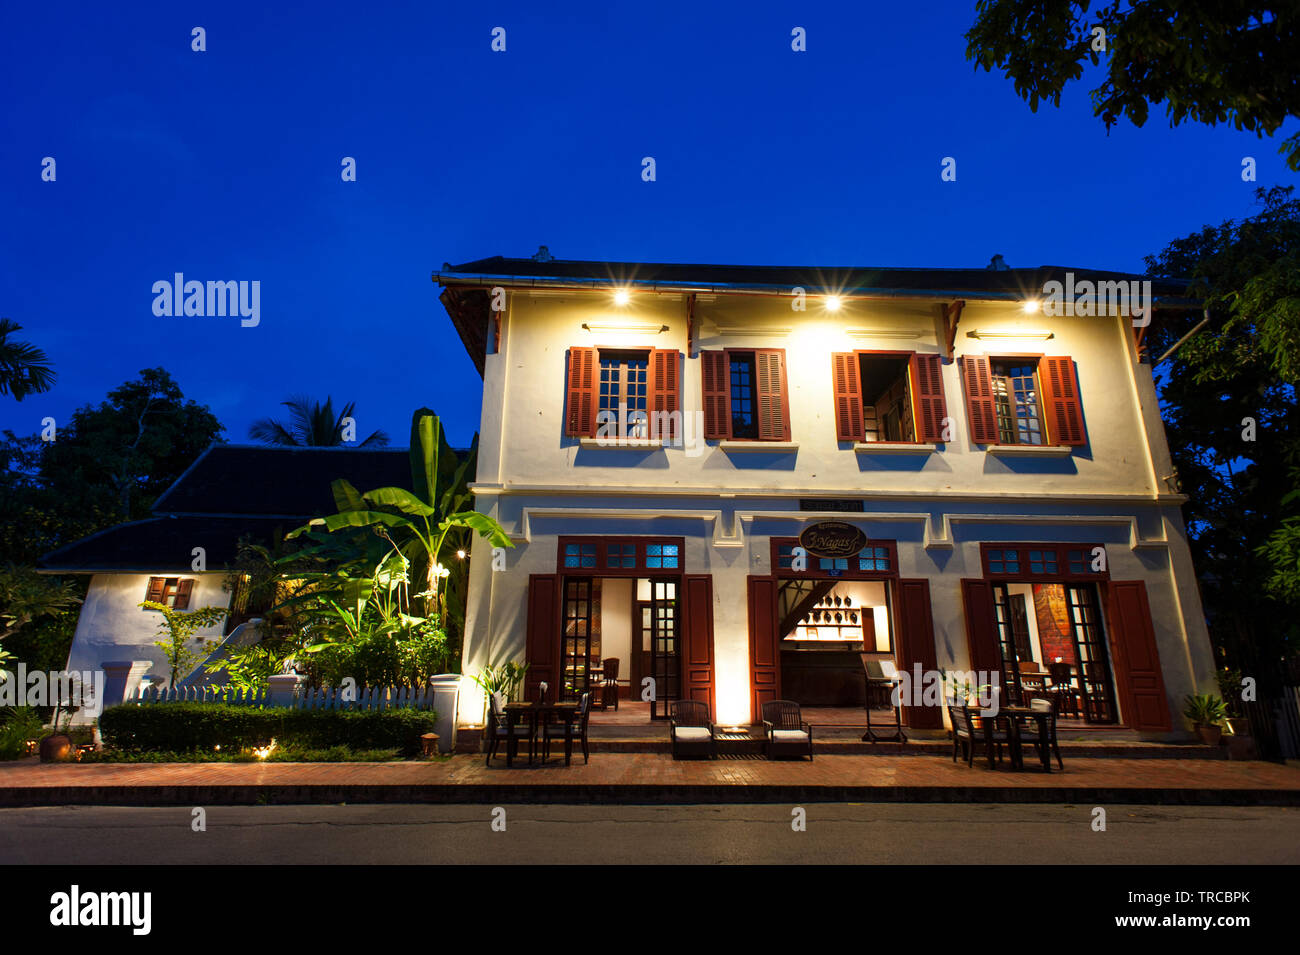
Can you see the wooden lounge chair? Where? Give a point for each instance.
(690, 729)
(786, 730)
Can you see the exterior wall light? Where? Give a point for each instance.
(621, 297)
(1030, 307)
(833, 303)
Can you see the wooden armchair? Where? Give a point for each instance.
(786, 730)
(569, 730)
(1030, 732)
(690, 729)
(499, 728)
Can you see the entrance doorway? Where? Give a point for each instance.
(828, 629)
(1050, 634)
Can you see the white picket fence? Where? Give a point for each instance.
(305, 698)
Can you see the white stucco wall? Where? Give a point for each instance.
(113, 626)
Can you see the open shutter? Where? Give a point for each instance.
(916, 645)
(773, 412)
(155, 591)
(183, 588)
(1061, 404)
(717, 395)
(764, 646)
(697, 647)
(981, 626)
(543, 639)
(977, 381)
(580, 403)
(931, 409)
(1135, 658)
(665, 392)
(846, 381)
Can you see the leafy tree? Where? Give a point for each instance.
(1228, 400)
(177, 628)
(312, 425)
(1221, 62)
(24, 369)
(27, 597)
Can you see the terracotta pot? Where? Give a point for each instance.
(56, 749)
(1209, 735)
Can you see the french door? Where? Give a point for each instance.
(576, 638)
(1095, 684)
(1008, 614)
(661, 624)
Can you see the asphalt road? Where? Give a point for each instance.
(873, 833)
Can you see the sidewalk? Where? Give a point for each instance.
(651, 778)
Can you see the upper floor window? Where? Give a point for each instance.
(171, 592)
(745, 396)
(888, 397)
(618, 391)
(1030, 400)
(1054, 561)
(620, 556)
(876, 558)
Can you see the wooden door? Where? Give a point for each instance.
(1135, 657)
(697, 640)
(764, 645)
(543, 637)
(915, 631)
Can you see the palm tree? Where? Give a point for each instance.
(24, 369)
(311, 425)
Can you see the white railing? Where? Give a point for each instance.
(305, 698)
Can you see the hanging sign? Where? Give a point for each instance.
(832, 539)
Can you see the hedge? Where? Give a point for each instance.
(205, 726)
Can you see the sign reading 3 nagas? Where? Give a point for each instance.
(832, 539)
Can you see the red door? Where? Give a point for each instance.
(697, 640)
(916, 645)
(981, 626)
(1135, 658)
(543, 646)
(764, 645)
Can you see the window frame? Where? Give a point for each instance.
(815, 569)
(727, 433)
(1064, 573)
(603, 544)
(176, 597)
(1049, 439)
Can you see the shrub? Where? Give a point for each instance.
(205, 726)
(20, 725)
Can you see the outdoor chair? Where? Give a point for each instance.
(690, 729)
(1094, 692)
(498, 728)
(1030, 732)
(569, 730)
(786, 730)
(968, 732)
(609, 683)
(1063, 682)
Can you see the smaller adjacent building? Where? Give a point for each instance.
(179, 555)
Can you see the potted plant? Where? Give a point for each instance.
(1207, 712)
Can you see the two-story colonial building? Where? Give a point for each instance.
(742, 482)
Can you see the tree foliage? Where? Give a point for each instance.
(24, 369)
(1208, 61)
(313, 425)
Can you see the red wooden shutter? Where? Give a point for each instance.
(977, 380)
(665, 391)
(846, 381)
(764, 646)
(981, 626)
(183, 588)
(155, 591)
(931, 409)
(1136, 660)
(717, 394)
(773, 408)
(1061, 404)
(580, 419)
(542, 648)
(697, 648)
(916, 645)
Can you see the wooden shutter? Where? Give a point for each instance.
(981, 626)
(183, 588)
(977, 381)
(1136, 660)
(665, 392)
(1061, 404)
(697, 645)
(155, 591)
(847, 383)
(927, 395)
(764, 646)
(916, 645)
(773, 410)
(542, 649)
(717, 394)
(580, 402)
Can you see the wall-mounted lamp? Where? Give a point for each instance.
(648, 328)
(1012, 334)
(621, 297)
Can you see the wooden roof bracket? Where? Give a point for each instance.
(690, 325)
(951, 315)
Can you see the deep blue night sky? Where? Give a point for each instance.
(225, 165)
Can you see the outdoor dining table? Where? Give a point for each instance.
(538, 714)
(1012, 715)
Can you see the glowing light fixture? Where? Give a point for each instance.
(460, 555)
(1011, 334)
(621, 297)
(833, 303)
(1030, 306)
